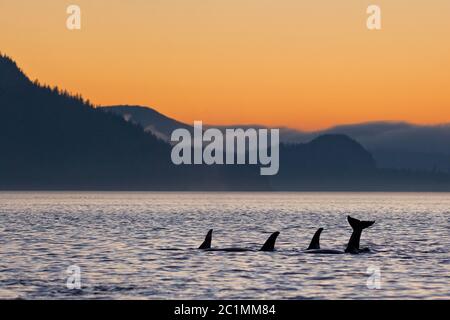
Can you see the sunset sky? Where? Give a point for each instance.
(302, 64)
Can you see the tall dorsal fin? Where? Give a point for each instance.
(270, 243)
(315, 242)
(207, 243)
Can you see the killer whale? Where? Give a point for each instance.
(353, 244)
(207, 243)
(358, 226)
(269, 245)
(315, 242)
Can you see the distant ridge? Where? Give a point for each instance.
(394, 145)
(150, 119)
(53, 140)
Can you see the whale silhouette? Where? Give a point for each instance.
(269, 245)
(353, 244)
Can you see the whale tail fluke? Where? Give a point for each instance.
(315, 242)
(207, 243)
(270, 243)
(358, 226)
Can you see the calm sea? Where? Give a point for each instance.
(142, 245)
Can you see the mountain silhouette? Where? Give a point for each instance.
(50, 139)
(329, 160)
(329, 154)
(150, 119)
(394, 145)
(53, 140)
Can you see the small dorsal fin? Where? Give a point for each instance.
(270, 243)
(315, 242)
(207, 243)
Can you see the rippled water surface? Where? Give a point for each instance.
(142, 245)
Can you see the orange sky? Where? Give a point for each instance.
(303, 64)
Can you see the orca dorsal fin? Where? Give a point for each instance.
(270, 243)
(315, 242)
(207, 243)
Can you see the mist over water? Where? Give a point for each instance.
(143, 245)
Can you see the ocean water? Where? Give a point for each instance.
(143, 245)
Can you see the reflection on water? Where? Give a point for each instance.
(121, 240)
